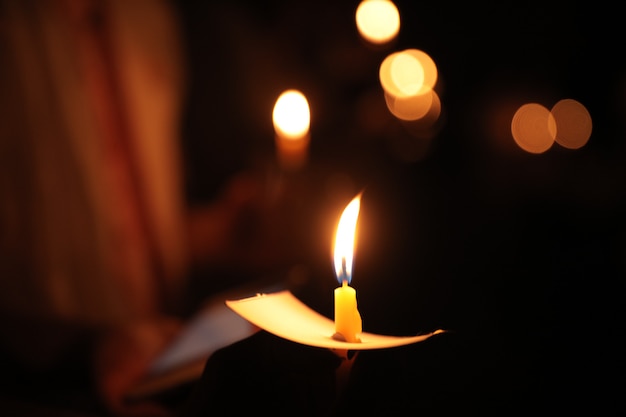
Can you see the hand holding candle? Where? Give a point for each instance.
(347, 318)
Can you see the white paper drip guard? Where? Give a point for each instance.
(282, 314)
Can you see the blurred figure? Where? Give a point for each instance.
(96, 240)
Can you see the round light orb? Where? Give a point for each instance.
(378, 21)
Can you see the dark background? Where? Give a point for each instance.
(520, 256)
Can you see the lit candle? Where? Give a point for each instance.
(292, 118)
(347, 317)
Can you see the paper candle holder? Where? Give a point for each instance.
(283, 315)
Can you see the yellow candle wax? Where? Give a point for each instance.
(347, 318)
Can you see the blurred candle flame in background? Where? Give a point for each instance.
(573, 123)
(378, 21)
(408, 79)
(407, 73)
(535, 128)
(291, 117)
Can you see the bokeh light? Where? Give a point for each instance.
(413, 107)
(378, 21)
(533, 128)
(428, 65)
(573, 123)
(291, 115)
(389, 81)
(407, 73)
(408, 79)
(292, 119)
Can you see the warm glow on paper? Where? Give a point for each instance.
(282, 314)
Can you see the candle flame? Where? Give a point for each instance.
(345, 240)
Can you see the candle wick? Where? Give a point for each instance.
(344, 272)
